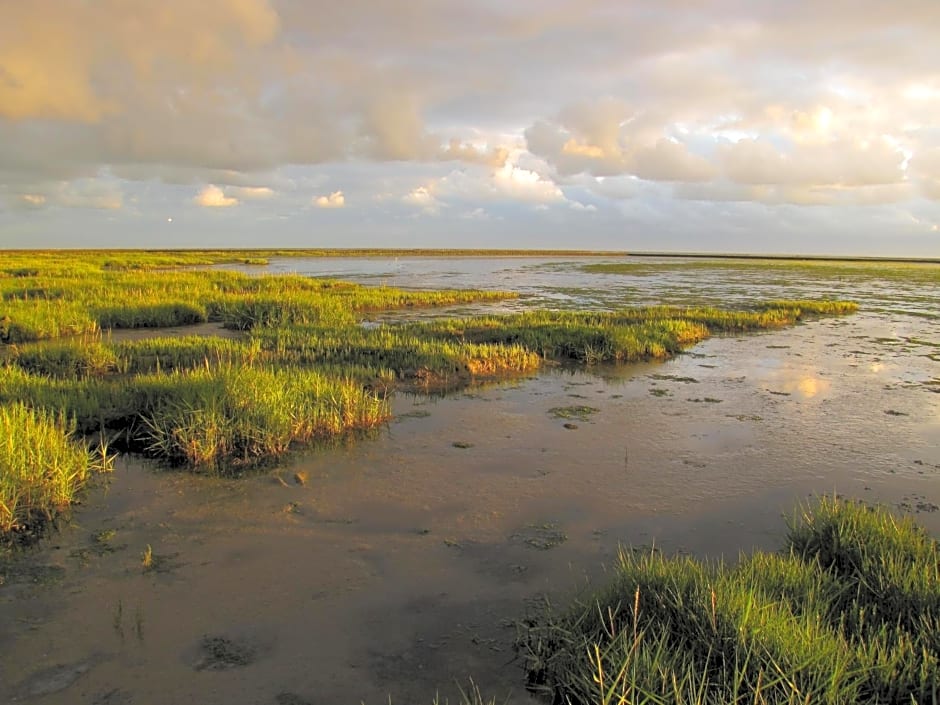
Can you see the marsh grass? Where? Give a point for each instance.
(627, 335)
(163, 354)
(229, 417)
(44, 296)
(408, 351)
(23, 320)
(804, 307)
(204, 401)
(207, 416)
(42, 466)
(784, 269)
(849, 613)
(72, 359)
(90, 403)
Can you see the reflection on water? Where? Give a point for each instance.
(810, 387)
(398, 564)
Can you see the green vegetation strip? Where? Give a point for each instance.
(927, 272)
(849, 613)
(43, 298)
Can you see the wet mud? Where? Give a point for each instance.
(395, 567)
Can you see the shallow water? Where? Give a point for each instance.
(563, 283)
(397, 568)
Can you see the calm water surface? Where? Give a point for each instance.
(397, 568)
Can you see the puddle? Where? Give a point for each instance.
(394, 567)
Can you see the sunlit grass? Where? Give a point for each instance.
(53, 299)
(779, 270)
(42, 465)
(230, 416)
(803, 307)
(410, 352)
(849, 613)
(205, 417)
(627, 335)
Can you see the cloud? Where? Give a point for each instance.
(479, 104)
(472, 154)
(800, 157)
(214, 197)
(669, 160)
(90, 193)
(571, 153)
(608, 139)
(925, 167)
(837, 163)
(475, 214)
(518, 184)
(586, 208)
(509, 184)
(422, 198)
(32, 200)
(98, 193)
(333, 200)
(251, 193)
(51, 69)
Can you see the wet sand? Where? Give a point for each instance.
(397, 568)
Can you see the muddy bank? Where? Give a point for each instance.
(395, 566)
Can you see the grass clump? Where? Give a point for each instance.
(68, 360)
(164, 354)
(42, 467)
(25, 320)
(803, 307)
(204, 417)
(412, 353)
(627, 335)
(217, 418)
(580, 412)
(849, 613)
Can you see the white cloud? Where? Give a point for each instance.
(99, 193)
(421, 197)
(34, 200)
(251, 193)
(669, 160)
(583, 207)
(213, 197)
(518, 184)
(475, 214)
(838, 163)
(925, 167)
(471, 186)
(336, 199)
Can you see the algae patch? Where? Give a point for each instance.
(580, 412)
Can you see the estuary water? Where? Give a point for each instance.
(392, 568)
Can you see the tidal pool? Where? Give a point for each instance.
(394, 566)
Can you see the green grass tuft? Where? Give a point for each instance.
(850, 613)
(42, 467)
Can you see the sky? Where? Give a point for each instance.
(784, 126)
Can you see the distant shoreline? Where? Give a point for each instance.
(457, 252)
